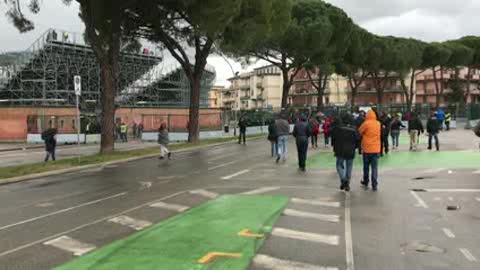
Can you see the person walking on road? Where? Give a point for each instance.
(314, 127)
(345, 142)
(415, 128)
(242, 125)
(123, 132)
(448, 119)
(301, 133)
(385, 120)
(50, 138)
(283, 130)
(163, 141)
(273, 138)
(433, 128)
(395, 128)
(371, 132)
(325, 127)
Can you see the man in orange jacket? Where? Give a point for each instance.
(370, 132)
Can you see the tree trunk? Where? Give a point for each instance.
(286, 88)
(193, 123)
(467, 88)
(411, 91)
(320, 99)
(109, 84)
(379, 97)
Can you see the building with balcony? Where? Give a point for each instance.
(214, 96)
(258, 89)
(304, 94)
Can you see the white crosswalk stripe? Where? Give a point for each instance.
(315, 203)
(135, 224)
(205, 193)
(476, 172)
(260, 190)
(302, 214)
(468, 255)
(271, 263)
(169, 206)
(438, 170)
(70, 245)
(310, 237)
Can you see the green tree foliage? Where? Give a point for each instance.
(322, 59)
(185, 26)
(473, 43)
(436, 56)
(354, 62)
(311, 28)
(16, 15)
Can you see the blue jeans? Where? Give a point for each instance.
(395, 138)
(274, 149)
(282, 146)
(370, 160)
(344, 169)
(433, 136)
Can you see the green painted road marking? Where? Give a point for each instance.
(179, 242)
(406, 159)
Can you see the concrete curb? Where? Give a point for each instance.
(102, 165)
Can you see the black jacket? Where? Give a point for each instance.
(396, 125)
(433, 125)
(272, 132)
(346, 141)
(242, 124)
(301, 130)
(415, 124)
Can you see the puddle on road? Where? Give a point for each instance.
(422, 247)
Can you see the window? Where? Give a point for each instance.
(73, 124)
(50, 123)
(62, 123)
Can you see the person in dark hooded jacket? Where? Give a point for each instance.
(50, 138)
(346, 140)
(301, 132)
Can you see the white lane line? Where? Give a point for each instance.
(302, 214)
(228, 177)
(315, 203)
(222, 165)
(348, 234)
(61, 211)
(204, 193)
(169, 206)
(70, 245)
(421, 203)
(450, 199)
(440, 190)
(83, 226)
(478, 199)
(304, 236)
(270, 263)
(439, 170)
(468, 255)
(476, 172)
(260, 190)
(135, 224)
(448, 233)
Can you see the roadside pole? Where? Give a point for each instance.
(78, 93)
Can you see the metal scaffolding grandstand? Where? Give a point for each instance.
(43, 76)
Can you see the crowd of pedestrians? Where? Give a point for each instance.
(369, 133)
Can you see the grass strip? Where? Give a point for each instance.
(66, 163)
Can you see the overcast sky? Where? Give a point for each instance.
(428, 20)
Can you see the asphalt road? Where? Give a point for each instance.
(28, 156)
(405, 225)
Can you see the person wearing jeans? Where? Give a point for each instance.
(433, 128)
(345, 141)
(371, 132)
(415, 128)
(283, 130)
(395, 127)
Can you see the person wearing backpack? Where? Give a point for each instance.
(314, 126)
(273, 137)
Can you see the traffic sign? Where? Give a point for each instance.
(78, 85)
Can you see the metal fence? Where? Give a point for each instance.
(179, 122)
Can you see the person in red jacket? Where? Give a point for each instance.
(325, 126)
